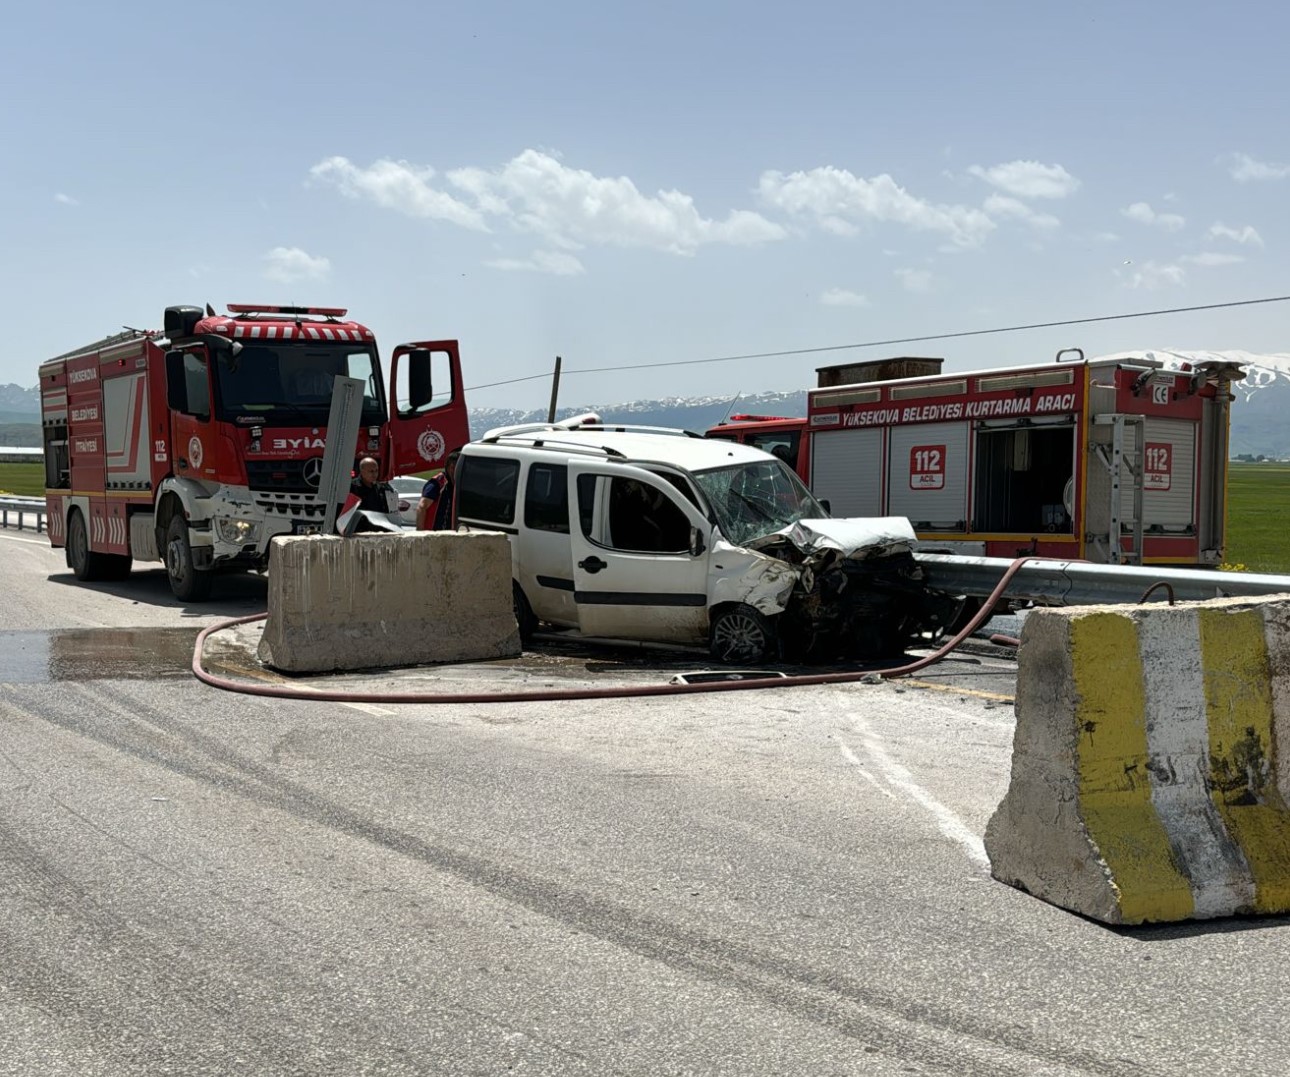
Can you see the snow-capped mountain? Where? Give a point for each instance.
(1259, 413)
(690, 413)
(1259, 417)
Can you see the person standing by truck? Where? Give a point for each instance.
(373, 495)
(434, 511)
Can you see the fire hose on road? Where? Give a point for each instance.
(737, 683)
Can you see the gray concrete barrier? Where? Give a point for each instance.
(378, 601)
(1151, 761)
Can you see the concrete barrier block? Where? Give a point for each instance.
(379, 601)
(1151, 763)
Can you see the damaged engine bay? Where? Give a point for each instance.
(861, 599)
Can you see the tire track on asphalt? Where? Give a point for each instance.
(219, 991)
(859, 1010)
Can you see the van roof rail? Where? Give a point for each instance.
(527, 436)
(627, 428)
(580, 424)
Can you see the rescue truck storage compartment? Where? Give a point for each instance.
(1109, 460)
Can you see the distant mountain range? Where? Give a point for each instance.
(689, 413)
(1259, 416)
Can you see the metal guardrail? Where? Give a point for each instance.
(1078, 583)
(22, 507)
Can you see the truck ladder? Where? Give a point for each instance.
(1121, 466)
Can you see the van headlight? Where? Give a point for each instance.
(235, 532)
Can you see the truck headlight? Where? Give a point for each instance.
(235, 532)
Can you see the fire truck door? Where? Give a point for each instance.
(189, 394)
(928, 475)
(427, 406)
(1168, 472)
(846, 469)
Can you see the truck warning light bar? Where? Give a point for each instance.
(265, 308)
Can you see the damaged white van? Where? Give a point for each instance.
(638, 533)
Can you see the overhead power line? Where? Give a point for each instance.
(899, 340)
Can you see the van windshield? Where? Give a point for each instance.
(755, 500)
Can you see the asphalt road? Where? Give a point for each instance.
(777, 882)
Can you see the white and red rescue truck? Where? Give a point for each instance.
(197, 444)
(1111, 461)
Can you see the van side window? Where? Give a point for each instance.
(486, 487)
(644, 519)
(546, 499)
(586, 503)
(682, 486)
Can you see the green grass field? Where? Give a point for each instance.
(1258, 511)
(22, 480)
(1258, 517)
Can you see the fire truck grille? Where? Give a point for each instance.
(295, 506)
(278, 476)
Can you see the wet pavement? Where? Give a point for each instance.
(553, 662)
(88, 654)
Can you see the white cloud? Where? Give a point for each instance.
(1244, 168)
(536, 193)
(840, 297)
(1212, 258)
(557, 263)
(1247, 234)
(65, 200)
(1000, 205)
(1028, 179)
(1144, 214)
(399, 186)
(1153, 275)
(838, 200)
(573, 208)
(289, 264)
(915, 280)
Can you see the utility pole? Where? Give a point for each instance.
(555, 391)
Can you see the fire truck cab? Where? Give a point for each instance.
(197, 444)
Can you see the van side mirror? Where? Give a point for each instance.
(697, 545)
(824, 503)
(176, 385)
(420, 379)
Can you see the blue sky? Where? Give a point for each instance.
(626, 184)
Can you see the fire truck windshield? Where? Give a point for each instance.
(288, 384)
(755, 500)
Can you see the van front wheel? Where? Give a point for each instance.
(741, 636)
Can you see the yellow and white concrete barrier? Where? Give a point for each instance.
(1151, 761)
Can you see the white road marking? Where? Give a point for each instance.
(854, 760)
(29, 541)
(367, 708)
(897, 775)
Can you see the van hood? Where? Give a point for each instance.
(854, 539)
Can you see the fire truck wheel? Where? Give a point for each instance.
(741, 636)
(186, 582)
(84, 565)
(523, 614)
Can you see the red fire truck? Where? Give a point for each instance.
(1110, 461)
(196, 444)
